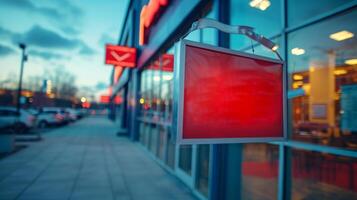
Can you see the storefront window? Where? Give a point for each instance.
(170, 150)
(323, 176)
(210, 35)
(266, 20)
(260, 50)
(322, 67)
(202, 169)
(300, 11)
(154, 139)
(260, 171)
(162, 142)
(185, 158)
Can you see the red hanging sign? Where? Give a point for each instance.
(120, 55)
(226, 96)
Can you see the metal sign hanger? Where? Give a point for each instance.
(242, 30)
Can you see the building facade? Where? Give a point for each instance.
(317, 40)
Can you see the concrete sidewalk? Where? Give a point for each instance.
(86, 160)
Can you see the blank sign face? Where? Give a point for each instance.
(230, 96)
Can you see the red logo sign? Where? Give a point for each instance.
(228, 96)
(148, 14)
(166, 65)
(120, 55)
(106, 99)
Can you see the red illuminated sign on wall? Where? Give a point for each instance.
(148, 14)
(120, 55)
(228, 97)
(106, 99)
(167, 64)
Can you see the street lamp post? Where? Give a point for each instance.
(23, 60)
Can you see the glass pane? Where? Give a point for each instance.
(301, 10)
(323, 71)
(266, 22)
(210, 35)
(260, 50)
(203, 169)
(154, 139)
(142, 128)
(185, 158)
(162, 142)
(170, 150)
(260, 171)
(323, 176)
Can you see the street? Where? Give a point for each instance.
(86, 160)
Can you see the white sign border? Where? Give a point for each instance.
(178, 101)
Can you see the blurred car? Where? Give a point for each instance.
(60, 113)
(49, 118)
(21, 121)
(82, 112)
(73, 114)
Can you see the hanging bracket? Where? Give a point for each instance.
(242, 30)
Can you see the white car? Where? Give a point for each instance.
(49, 118)
(73, 114)
(20, 121)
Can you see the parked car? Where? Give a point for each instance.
(60, 114)
(20, 121)
(73, 114)
(49, 118)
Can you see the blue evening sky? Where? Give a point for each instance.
(60, 33)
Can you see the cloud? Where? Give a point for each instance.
(46, 55)
(5, 34)
(4, 50)
(86, 50)
(40, 37)
(62, 18)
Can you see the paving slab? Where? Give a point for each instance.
(86, 160)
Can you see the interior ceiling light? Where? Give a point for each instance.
(297, 51)
(351, 61)
(260, 4)
(275, 48)
(341, 35)
(340, 72)
(298, 77)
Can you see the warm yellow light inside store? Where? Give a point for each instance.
(141, 101)
(341, 35)
(297, 51)
(340, 72)
(351, 61)
(260, 4)
(297, 84)
(298, 77)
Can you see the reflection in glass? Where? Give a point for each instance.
(323, 176)
(203, 169)
(266, 22)
(170, 150)
(302, 10)
(260, 171)
(323, 73)
(185, 158)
